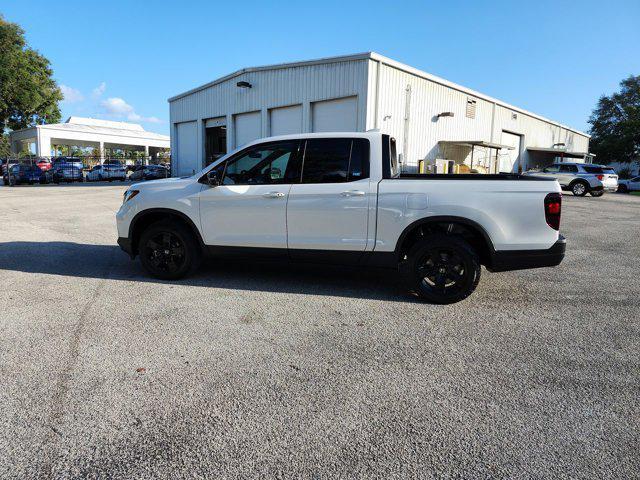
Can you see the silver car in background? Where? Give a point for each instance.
(631, 185)
(580, 178)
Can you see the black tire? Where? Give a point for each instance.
(597, 193)
(623, 189)
(579, 188)
(442, 269)
(184, 254)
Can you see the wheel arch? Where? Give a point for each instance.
(152, 215)
(470, 230)
(579, 180)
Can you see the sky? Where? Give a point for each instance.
(122, 60)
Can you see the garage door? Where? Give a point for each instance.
(509, 158)
(286, 120)
(248, 127)
(340, 115)
(187, 161)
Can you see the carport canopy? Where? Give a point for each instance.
(560, 152)
(476, 143)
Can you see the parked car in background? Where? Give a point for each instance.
(30, 173)
(579, 178)
(67, 169)
(149, 172)
(107, 172)
(631, 185)
(44, 164)
(605, 174)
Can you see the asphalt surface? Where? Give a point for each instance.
(265, 371)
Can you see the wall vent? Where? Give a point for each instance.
(471, 108)
(514, 116)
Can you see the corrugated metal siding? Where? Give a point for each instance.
(426, 129)
(276, 88)
(428, 99)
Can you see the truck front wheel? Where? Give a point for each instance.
(169, 250)
(442, 269)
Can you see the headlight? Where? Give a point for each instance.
(129, 194)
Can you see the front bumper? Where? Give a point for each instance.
(522, 259)
(126, 246)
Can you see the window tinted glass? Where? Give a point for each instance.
(335, 160)
(394, 157)
(568, 168)
(326, 160)
(263, 164)
(552, 169)
(592, 169)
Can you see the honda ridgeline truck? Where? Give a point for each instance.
(339, 198)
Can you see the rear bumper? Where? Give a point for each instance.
(522, 259)
(126, 246)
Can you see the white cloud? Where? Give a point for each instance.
(118, 108)
(99, 90)
(71, 95)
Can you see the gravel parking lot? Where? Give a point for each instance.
(267, 371)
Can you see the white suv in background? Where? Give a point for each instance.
(580, 178)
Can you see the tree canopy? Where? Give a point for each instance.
(615, 124)
(28, 93)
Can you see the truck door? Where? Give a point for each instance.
(249, 208)
(328, 209)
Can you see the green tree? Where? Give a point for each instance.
(615, 124)
(28, 94)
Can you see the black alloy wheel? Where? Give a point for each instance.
(168, 251)
(444, 269)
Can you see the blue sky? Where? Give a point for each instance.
(122, 59)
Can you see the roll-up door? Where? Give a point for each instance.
(187, 144)
(339, 115)
(285, 120)
(509, 162)
(248, 127)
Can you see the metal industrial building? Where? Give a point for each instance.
(432, 119)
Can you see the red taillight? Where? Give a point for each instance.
(600, 177)
(552, 208)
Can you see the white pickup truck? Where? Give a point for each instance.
(339, 198)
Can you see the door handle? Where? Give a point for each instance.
(353, 193)
(273, 195)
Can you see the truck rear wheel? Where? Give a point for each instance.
(169, 251)
(442, 269)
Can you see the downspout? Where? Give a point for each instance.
(376, 121)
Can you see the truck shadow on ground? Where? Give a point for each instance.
(108, 261)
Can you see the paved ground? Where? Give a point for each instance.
(254, 371)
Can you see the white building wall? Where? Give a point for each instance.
(424, 129)
(280, 87)
(397, 99)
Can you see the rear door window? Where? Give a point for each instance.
(335, 160)
(568, 168)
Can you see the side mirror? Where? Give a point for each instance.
(213, 178)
